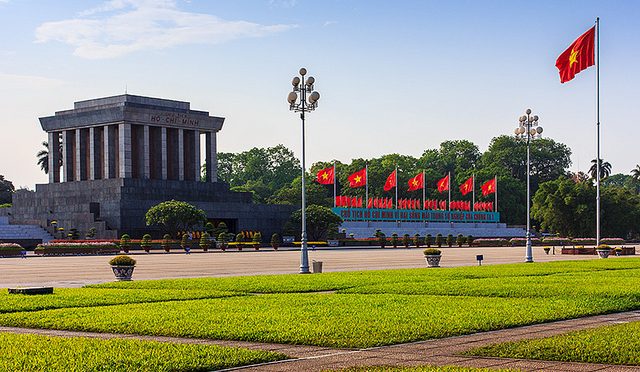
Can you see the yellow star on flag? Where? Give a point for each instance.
(357, 179)
(415, 182)
(325, 176)
(573, 58)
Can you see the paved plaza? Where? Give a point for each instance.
(76, 271)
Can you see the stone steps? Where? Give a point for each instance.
(27, 232)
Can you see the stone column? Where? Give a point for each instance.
(107, 154)
(54, 157)
(92, 154)
(211, 158)
(124, 149)
(146, 162)
(196, 150)
(163, 147)
(181, 154)
(78, 156)
(67, 155)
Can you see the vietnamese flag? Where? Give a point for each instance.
(358, 179)
(370, 203)
(391, 181)
(326, 176)
(489, 187)
(443, 184)
(578, 56)
(416, 182)
(467, 186)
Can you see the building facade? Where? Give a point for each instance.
(111, 159)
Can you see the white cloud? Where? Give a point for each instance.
(31, 80)
(120, 27)
(329, 23)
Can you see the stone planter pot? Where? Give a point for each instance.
(433, 260)
(603, 253)
(122, 272)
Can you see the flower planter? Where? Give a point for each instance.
(603, 253)
(433, 260)
(122, 272)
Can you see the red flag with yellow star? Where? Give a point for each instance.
(391, 181)
(358, 179)
(326, 176)
(416, 182)
(489, 187)
(467, 186)
(443, 184)
(579, 56)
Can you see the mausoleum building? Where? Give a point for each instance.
(111, 159)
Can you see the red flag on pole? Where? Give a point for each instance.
(358, 179)
(578, 56)
(325, 176)
(391, 181)
(370, 203)
(443, 184)
(489, 187)
(467, 186)
(416, 182)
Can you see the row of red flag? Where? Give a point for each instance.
(387, 203)
(358, 179)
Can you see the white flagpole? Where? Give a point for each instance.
(449, 187)
(495, 178)
(396, 179)
(424, 192)
(334, 183)
(598, 131)
(473, 197)
(366, 175)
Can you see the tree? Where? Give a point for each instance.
(6, 190)
(320, 221)
(635, 173)
(568, 208)
(43, 157)
(605, 169)
(175, 216)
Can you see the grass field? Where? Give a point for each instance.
(356, 309)
(618, 344)
(42, 353)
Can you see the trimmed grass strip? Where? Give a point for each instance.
(43, 353)
(616, 344)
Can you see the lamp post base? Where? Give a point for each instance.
(529, 255)
(304, 259)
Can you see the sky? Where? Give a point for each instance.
(393, 76)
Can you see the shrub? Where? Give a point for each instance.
(449, 240)
(432, 252)
(428, 240)
(146, 242)
(382, 239)
(604, 246)
(521, 242)
(556, 241)
(122, 260)
(257, 237)
(439, 240)
(184, 241)
(275, 240)
(205, 241)
(612, 241)
(91, 233)
(394, 240)
(416, 240)
(583, 241)
(222, 238)
(405, 240)
(239, 237)
(460, 240)
(125, 241)
(490, 242)
(469, 240)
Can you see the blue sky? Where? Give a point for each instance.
(394, 76)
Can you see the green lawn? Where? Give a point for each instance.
(617, 344)
(366, 308)
(41, 353)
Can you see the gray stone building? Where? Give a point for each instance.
(123, 154)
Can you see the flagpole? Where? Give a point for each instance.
(495, 180)
(598, 131)
(396, 185)
(334, 183)
(424, 193)
(366, 176)
(449, 187)
(473, 195)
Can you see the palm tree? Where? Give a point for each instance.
(43, 157)
(605, 169)
(635, 173)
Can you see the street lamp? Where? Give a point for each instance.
(306, 102)
(529, 130)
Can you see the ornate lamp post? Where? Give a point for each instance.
(306, 102)
(529, 130)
